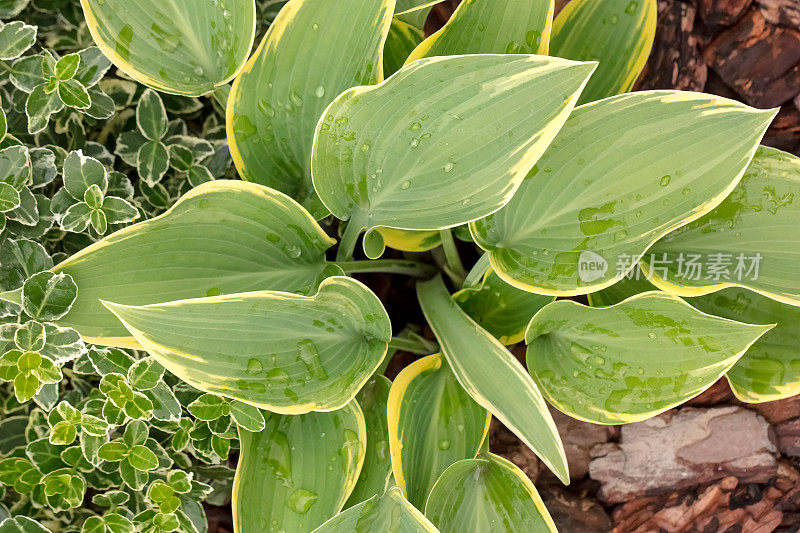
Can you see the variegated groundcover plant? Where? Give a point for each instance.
(161, 318)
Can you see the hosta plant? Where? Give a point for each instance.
(165, 323)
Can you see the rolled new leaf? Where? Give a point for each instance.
(177, 46)
(387, 512)
(298, 471)
(770, 369)
(377, 469)
(221, 237)
(432, 424)
(492, 27)
(482, 494)
(750, 240)
(634, 360)
(596, 200)
(619, 34)
(501, 309)
(313, 51)
(390, 155)
(492, 376)
(282, 352)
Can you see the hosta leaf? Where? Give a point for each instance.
(402, 39)
(634, 283)
(221, 237)
(15, 38)
(596, 200)
(390, 155)
(278, 351)
(770, 369)
(432, 424)
(409, 240)
(389, 511)
(617, 33)
(313, 51)
(178, 46)
(414, 12)
(377, 469)
(477, 495)
(492, 376)
(749, 240)
(298, 471)
(499, 308)
(599, 365)
(492, 27)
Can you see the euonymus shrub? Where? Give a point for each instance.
(160, 318)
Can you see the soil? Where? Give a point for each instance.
(715, 464)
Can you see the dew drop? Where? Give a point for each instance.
(254, 367)
(665, 180)
(320, 92)
(444, 444)
(405, 185)
(301, 500)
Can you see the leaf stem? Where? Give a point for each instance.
(454, 263)
(221, 95)
(389, 266)
(15, 296)
(356, 224)
(478, 271)
(417, 345)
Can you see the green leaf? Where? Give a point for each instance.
(9, 197)
(596, 200)
(474, 495)
(152, 161)
(73, 94)
(3, 124)
(749, 240)
(113, 451)
(385, 158)
(93, 66)
(77, 218)
(770, 369)
(48, 296)
(282, 352)
(30, 337)
(432, 424)
(145, 373)
(22, 524)
(15, 166)
(15, 38)
(11, 8)
(314, 50)
(597, 365)
(174, 47)
(141, 458)
(93, 197)
(222, 237)
(377, 469)
(299, 470)
(67, 67)
(499, 308)
(402, 39)
(39, 106)
(492, 376)
(151, 116)
(246, 416)
(617, 33)
(209, 407)
(25, 387)
(492, 27)
(81, 172)
(388, 511)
